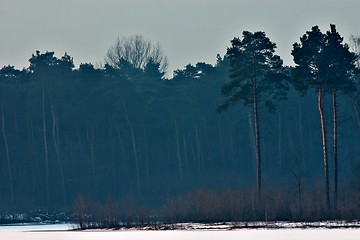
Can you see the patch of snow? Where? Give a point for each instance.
(60, 232)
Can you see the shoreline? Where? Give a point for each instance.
(219, 226)
(230, 226)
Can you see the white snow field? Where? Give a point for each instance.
(59, 232)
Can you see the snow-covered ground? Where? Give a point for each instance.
(59, 232)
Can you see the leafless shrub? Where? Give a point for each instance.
(81, 212)
(107, 214)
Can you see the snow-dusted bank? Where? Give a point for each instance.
(214, 232)
(252, 225)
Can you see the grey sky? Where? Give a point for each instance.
(188, 30)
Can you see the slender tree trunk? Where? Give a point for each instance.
(299, 190)
(30, 153)
(198, 149)
(56, 141)
(221, 143)
(257, 141)
(146, 155)
(9, 167)
(231, 155)
(301, 133)
(90, 137)
(134, 151)
(136, 160)
(46, 153)
(185, 155)
(280, 137)
(111, 163)
(251, 133)
(206, 144)
(194, 157)
(290, 141)
(334, 103)
(324, 147)
(79, 138)
(178, 154)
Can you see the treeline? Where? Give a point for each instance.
(125, 132)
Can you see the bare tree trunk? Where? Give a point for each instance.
(136, 161)
(290, 141)
(280, 137)
(121, 143)
(9, 167)
(324, 147)
(221, 143)
(91, 140)
(46, 153)
(56, 141)
(186, 155)
(178, 155)
(30, 153)
(300, 127)
(334, 103)
(194, 156)
(231, 154)
(251, 133)
(206, 153)
(198, 149)
(146, 155)
(257, 141)
(134, 151)
(111, 163)
(90, 137)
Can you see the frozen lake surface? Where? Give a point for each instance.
(59, 232)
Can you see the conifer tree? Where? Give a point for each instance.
(256, 77)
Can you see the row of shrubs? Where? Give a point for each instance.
(210, 206)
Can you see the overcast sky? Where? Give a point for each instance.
(189, 31)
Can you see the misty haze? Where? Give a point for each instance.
(243, 142)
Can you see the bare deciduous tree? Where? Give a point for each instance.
(137, 51)
(355, 47)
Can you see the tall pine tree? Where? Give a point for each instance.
(256, 77)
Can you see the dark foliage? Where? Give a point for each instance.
(140, 148)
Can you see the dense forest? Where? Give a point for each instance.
(246, 138)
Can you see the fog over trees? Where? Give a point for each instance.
(257, 75)
(124, 141)
(326, 65)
